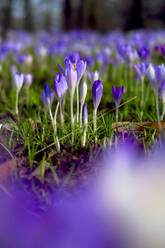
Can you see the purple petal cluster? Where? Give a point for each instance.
(141, 69)
(47, 96)
(81, 68)
(28, 79)
(144, 53)
(93, 76)
(60, 86)
(85, 114)
(18, 80)
(127, 53)
(71, 77)
(117, 94)
(156, 74)
(97, 92)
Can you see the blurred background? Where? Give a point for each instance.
(33, 15)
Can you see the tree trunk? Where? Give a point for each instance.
(135, 21)
(28, 20)
(67, 14)
(7, 18)
(80, 15)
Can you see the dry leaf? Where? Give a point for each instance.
(6, 169)
(140, 126)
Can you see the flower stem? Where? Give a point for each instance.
(81, 109)
(142, 93)
(117, 117)
(95, 122)
(27, 96)
(62, 116)
(16, 103)
(163, 112)
(84, 136)
(56, 140)
(77, 92)
(52, 120)
(55, 116)
(72, 117)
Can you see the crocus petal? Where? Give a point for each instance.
(71, 78)
(97, 91)
(85, 114)
(60, 86)
(81, 68)
(18, 80)
(61, 69)
(83, 92)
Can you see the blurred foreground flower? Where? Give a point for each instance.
(144, 53)
(135, 186)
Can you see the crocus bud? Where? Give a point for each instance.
(71, 78)
(85, 115)
(141, 69)
(144, 53)
(151, 74)
(47, 96)
(83, 92)
(156, 75)
(93, 76)
(18, 80)
(28, 78)
(60, 86)
(117, 94)
(160, 74)
(97, 91)
(81, 68)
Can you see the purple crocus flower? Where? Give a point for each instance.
(156, 74)
(71, 77)
(127, 52)
(83, 92)
(160, 73)
(60, 86)
(93, 76)
(28, 78)
(141, 69)
(117, 94)
(97, 92)
(47, 96)
(81, 68)
(90, 61)
(18, 80)
(144, 53)
(85, 114)
(73, 57)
